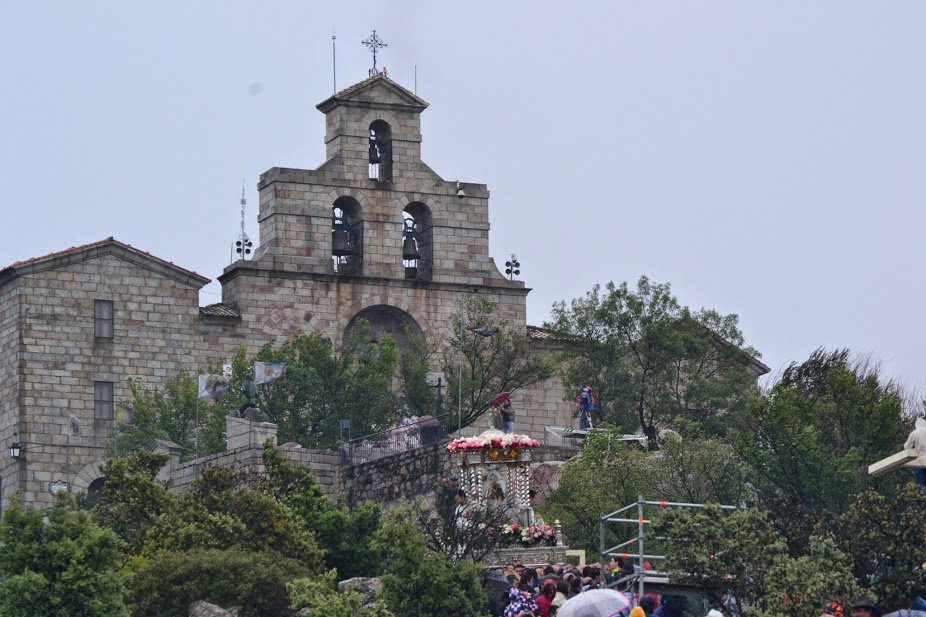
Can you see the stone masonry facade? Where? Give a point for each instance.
(62, 383)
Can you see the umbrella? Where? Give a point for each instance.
(595, 603)
(500, 398)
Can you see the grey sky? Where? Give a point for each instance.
(765, 158)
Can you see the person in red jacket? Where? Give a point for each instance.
(545, 599)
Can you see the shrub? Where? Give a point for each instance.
(168, 582)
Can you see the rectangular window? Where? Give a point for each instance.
(103, 405)
(103, 318)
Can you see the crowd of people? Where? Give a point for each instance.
(540, 592)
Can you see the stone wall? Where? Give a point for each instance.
(9, 388)
(245, 455)
(417, 472)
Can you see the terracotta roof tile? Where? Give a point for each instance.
(218, 310)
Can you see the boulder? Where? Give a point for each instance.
(368, 588)
(204, 609)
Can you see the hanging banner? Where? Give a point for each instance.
(268, 371)
(212, 386)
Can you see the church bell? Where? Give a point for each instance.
(342, 238)
(410, 250)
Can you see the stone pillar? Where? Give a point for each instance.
(243, 433)
(171, 449)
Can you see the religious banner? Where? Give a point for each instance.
(268, 371)
(212, 386)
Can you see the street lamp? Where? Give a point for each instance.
(16, 451)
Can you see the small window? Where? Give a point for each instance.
(103, 318)
(103, 406)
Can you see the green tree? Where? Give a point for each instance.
(810, 583)
(726, 555)
(168, 582)
(811, 437)
(650, 359)
(611, 474)
(505, 361)
(218, 512)
(886, 538)
(132, 497)
(608, 475)
(415, 362)
(173, 413)
(418, 581)
(739, 558)
(59, 568)
(344, 534)
(321, 386)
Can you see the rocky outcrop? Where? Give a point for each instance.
(368, 588)
(204, 609)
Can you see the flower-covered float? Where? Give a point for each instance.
(495, 466)
(495, 470)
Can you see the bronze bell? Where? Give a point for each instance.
(340, 243)
(410, 249)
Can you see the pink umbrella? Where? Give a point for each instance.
(595, 603)
(498, 399)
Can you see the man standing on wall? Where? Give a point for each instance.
(508, 416)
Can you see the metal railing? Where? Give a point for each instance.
(406, 436)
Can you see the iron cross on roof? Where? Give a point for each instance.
(375, 44)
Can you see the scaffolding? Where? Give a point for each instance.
(640, 555)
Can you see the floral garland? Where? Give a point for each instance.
(508, 440)
(533, 535)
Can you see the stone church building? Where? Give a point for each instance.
(372, 233)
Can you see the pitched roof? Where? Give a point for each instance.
(108, 246)
(402, 97)
(536, 333)
(219, 310)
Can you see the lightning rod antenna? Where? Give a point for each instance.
(334, 63)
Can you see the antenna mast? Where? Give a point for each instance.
(334, 64)
(244, 244)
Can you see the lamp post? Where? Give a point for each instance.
(460, 375)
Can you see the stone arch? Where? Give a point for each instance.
(86, 476)
(335, 194)
(380, 151)
(347, 235)
(418, 234)
(349, 313)
(438, 211)
(386, 116)
(282, 324)
(386, 318)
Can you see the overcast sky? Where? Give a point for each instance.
(765, 158)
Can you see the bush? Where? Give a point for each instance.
(167, 583)
(419, 581)
(58, 563)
